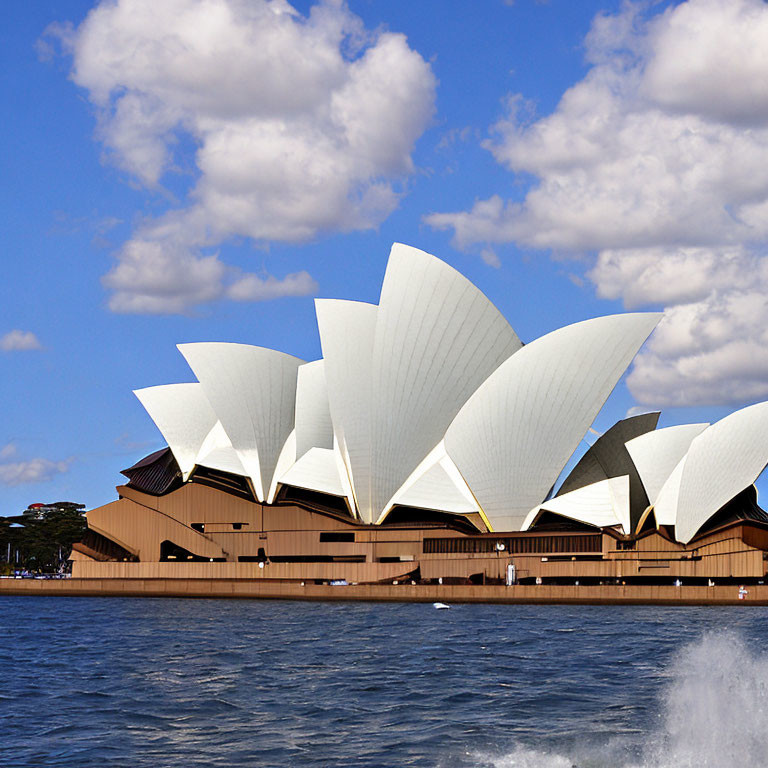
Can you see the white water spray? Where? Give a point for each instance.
(713, 712)
(716, 707)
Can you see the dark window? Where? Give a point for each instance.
(337, 536)
(516, 545)
(317, 559)
(236, 526)
(105, 549)
(223, 481)
(199, 527)
(312, 500)
(171, 551)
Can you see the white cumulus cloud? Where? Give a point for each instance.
(657, 161)
(301, 125)
(31, 471)
(8, 450)
(17, 340)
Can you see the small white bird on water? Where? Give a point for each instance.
(440, 606)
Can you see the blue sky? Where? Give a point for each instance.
(571, 159)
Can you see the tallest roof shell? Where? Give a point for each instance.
(399, 372)
(438, 337)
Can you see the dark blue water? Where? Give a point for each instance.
(131, 682)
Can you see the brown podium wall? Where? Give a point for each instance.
(235, 528)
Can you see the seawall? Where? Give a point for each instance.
(265, 590)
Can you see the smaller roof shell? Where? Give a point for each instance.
(183, 415)
(316, 470)
(314, 428)
(435, 484)
(722, 461)
(515, 434)
(608, 457)
(665, 506)
(437, 488)
(656, 454)
(217, 452)
(252, 391)
(602, 504)
(347, 331)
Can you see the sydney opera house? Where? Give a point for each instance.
(428, 445)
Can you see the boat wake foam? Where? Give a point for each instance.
(713, 712)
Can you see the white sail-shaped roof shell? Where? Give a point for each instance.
(346, 336)
(603, 504)
(217, 452)
(436, 489)
(314, 428)
(437, 339)
(398, 373)
(722, 461)
(285, 461)
(252, 391)
(665, 506)
(655, 454)
(316, 470)
(515, 434)
(435, 484)
(184, 417)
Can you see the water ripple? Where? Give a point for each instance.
(139, 683)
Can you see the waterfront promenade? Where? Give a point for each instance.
(609, 594)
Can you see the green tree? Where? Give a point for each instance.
(43, 544)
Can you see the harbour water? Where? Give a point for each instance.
(171, 682)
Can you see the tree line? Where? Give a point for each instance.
(41, 541)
